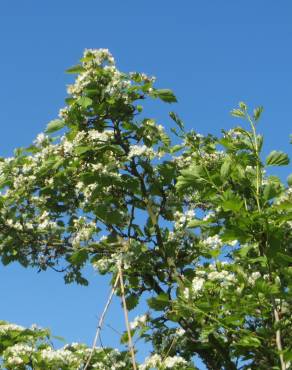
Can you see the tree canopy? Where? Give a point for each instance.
(196, 221)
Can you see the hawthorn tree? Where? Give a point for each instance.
(196, 221)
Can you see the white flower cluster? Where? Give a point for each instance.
(67, 146)
(212, 242)
(182, 218)
(118, 84)
(286, 196)
(46, 222)
(213, 157)
(104, 264)
(180, 332)
(197, 285)
(41, 140)
(100, 136)
(174, 361)
(84, 231)
(22, 181)
(151, 130)
(211, 273)
(83, 138)
(35, 351)
(215, 242)
(158, 362)
(16, 225)
(14, 355)
(70, 357)
(141, 150)
(6, 328)
(183, 161)
(139, 321)
(188, 141)
(114, 84)
(225, 277)
(97, 56)
(254, 277)
(142, 76)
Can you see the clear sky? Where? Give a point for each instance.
(211, 53)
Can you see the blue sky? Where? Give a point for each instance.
(213, 54)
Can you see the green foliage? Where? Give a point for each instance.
(177, 120)
(165, 95)
(276, 158)
(22, 348)
(54, 125)
(203, 231)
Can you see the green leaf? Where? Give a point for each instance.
(70, 101)
(289, 180)
(277, 158)
(194, 171)
(84, 101)
(165, 139)
(54, 125)
(198, 223)
(242, 106)
(79, 257)
(132, 301)
(249, 341)
(284, 205)
(159, 303)
(237, 113)
(231, 202)
(288, 355)
(284, 258)
(177, 120)
(124, 338)
(260, 140)
(166, 170)
(175, 148)
(75, 69)
(82, 149)
(226, 167)
(190, 177)
(165, 95)
(257, 113)
(271, 190)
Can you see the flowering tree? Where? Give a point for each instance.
(194, 220)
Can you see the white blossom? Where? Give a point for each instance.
(213, 242)
(170, 362)
(181, 218)
(197, 285)
(253, 277)
(5, 328)
(41, 139)
(140, 150)
(139, 321)
(186, 293)
(180, 332)
(101, 136)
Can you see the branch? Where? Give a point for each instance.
(101, 320)
(130, 343)
(278, 340)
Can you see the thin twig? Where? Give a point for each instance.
(278, 340)
(100, 323)
(173, 342)
(130, 342)
(115, 330)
